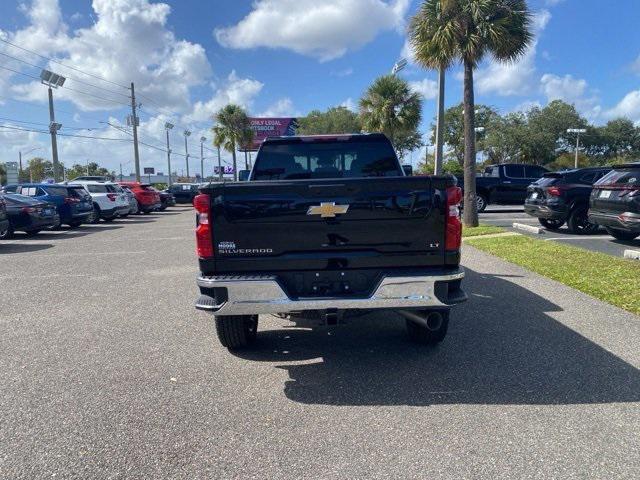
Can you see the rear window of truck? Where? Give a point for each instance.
(325, 159)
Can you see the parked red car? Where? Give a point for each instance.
(148, 197)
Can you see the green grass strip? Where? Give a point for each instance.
(481, 230)
(613, 280)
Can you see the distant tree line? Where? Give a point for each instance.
(539, 136)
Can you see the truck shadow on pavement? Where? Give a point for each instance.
(502, 348)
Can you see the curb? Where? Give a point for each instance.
(528, 228)
(632, 254)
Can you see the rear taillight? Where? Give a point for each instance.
(204, 238)
(554, 191)
(112, 196)
(28, 210)
(453, 237)
(71, 200)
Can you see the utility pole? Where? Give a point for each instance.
(202, 140)
(87, 167)
(134, 124)
(577, 131)
(53, 129)
(186, 150)
(168, 126)
(220, 172)
(121, 172)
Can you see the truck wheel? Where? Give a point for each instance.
(429, 336)
(621, 234)
(579, 222)
(551, 224)
(481, 202)
(236, 331)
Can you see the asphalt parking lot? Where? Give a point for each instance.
(107, 371)
(505, 216)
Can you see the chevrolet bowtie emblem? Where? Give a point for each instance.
(328, 210)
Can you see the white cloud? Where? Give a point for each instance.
(128, 41)
(517, 78)
(323, 30)
(343, 73)
(281, 108)
(407, 52)
(628, 107)
(426, 87)
(553, 3)
(349, 104)
(571, 90)
(241, 91)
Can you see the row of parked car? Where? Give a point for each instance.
(589, 198)
(33, 207)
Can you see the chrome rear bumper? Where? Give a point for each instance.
(249, 295)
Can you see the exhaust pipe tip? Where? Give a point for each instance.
(431, 321)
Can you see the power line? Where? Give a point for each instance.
(45, 124)
(68, 88)
(66, 76)
(63, 64)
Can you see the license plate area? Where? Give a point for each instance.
(329, 283)
(605, 194)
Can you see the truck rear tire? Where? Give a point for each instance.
(429, 336)
(236, 331)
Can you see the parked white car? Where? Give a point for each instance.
(109, 200)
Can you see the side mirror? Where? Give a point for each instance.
(408, 170)
(243, 175)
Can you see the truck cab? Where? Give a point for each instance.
(329, 226)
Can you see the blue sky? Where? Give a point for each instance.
(277, 57)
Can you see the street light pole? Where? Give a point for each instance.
(186, 149)
(220, 172)
(577, 131)
(439, 123)
(168, 126)
(202, 140)
(53, 80)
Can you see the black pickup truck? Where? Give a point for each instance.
(505, 184)
(329, 226)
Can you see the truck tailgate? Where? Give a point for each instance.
(393, 222)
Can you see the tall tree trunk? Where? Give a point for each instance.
(470, 215)
(235, 163)
(440, 123)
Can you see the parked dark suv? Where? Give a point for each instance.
(563, 197)
(615, 202)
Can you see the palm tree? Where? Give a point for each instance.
(432, 39)
(500, 28)
(391, 107)
(231, 130)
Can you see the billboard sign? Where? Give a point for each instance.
(227, 170)
(271, 127)
(149, 170)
